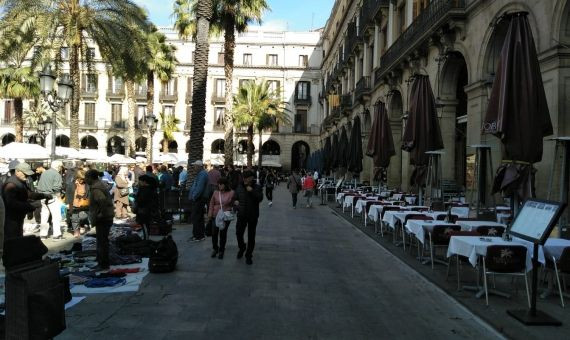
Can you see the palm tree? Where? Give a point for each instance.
(184, 24)
(258, 108)
(18, 82)
(66, 23)
(169, 125)
(229, 16)
(161, 63)
(40, 112)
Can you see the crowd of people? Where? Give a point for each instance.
(82, 197)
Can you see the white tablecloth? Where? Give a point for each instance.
(397, 197)
(462, 212)
(410, 200)
(474, 246)
(553, 247)
(375, 211)
(391, 216)
(420, 227)
(472, 225)
(362, 203)
(348, 201)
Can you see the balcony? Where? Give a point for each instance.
(117, 125)
(355, 39)
(336, 113)
(88, 124)
(218, 98)
(438, 13)
(89, 93)
(362, 89)
(140, 96)
(346, 102)
(7, 122)
(187, 126)
(168, 97)
(115, 95)
(369, 12)
(303, 100)
(189, 97)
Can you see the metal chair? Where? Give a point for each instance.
(439, 237)
(562, 266)
(412, 217)
(382, 219)
(505, 260)
(453, 218)
(490, 231)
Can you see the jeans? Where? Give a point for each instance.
(269, 194)
(251, 225)
(309, 194)
(53, 209)
(79, 218)
(102, 236)
(294, 196)
(198, 219)
(223, 236)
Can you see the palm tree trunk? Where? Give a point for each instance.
(149, 111)
(130, 151)
(165, 144)
(74, 115)
(259, 161)
(250, 146)
(19, 119)
(229, 48)
(196, 152)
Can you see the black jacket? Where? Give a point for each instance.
(249, 201)
(101, 208)
(17, 199)
(146, 203)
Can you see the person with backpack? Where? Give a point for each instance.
(248, 196)
(101, 214)
(222, 200)
(198, 195)
(294, 186)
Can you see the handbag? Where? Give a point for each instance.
(124, 192)
(223, 216)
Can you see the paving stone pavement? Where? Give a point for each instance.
(314, 276)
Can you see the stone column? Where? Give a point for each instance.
(409, 12)
(447, 125)
(365, 64)
(395, 175)
(375, 57)
(390, 31)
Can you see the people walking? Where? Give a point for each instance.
(270, 180)
(248, 195)
(222, 199)
(146, 202)
(79, 205)
(51, 183)
(294, 186)
(101, 213)
(121, 193)
(309, 187)
(198, 197)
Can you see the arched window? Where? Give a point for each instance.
(8, 138)
(115, 145)
(242, 147)
(140, 144)
(217, 146)
(89, 142)
(270, 147)
(62, 140)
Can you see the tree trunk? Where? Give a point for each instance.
(250, 146)
(165, 145)
(198, 120)
(149, 112)
(74, 115)
(19, 119)
(229, 48)
(131, 122)
(259, 161)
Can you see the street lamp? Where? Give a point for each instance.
(43, 127)
(151, 125)
(55, 99)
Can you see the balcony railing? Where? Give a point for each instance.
(168, 97)
(89, 93)
(431, 19)
(141, 95)
(7, 122)
(115, 95)
(304, 100)
(120, 124)
(346, 102)
(218, 98)
(88, 124)
(362, 88)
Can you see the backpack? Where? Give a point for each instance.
(164, 257)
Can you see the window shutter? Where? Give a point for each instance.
(83, 86)
(175, 86)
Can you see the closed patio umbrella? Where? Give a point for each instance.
(422, 132)
(355, 148)
(381, 143)
(343, 149)
(517, 112)
(327, 156)
(335, 159)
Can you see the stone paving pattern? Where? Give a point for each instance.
(314, 276)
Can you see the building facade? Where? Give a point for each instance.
(289, 60)
(372, 48)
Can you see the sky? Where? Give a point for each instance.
(290, 15)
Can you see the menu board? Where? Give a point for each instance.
(536, 219)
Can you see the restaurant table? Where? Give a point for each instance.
(474, 246)
(553, 247)
(392, 216)
(361, 203)
(420, 227)
(462, 212)
(472, 225)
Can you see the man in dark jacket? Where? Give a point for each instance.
(19, 201)
(249, 195)
(101, 213)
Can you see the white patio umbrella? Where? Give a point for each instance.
(69, 153)
(217, 160)
(271, 164)
(140, 159)
(94, 155)
(121, 159)
(170, 158)
(24, 151)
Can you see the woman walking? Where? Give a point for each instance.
(309, 187)
(222, 199)
(294, 186)
(121, 196)
(269, 185)
(80, 204)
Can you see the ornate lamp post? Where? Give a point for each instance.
(151, 125)
(43, 127)
(55, 99)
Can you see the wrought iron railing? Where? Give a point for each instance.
(346, 102)
(430, 19)
(303, 100)
(362, 87)
(370, 9)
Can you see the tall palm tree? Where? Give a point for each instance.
(184, 24)
(229, 17)
(169, 125)
(161, 63)
(66, 23)
(257, 107)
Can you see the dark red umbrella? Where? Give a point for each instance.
(327, 156)
(342, 151)
(422, 132)
(517, 112)
(380, 144)
(354, 150)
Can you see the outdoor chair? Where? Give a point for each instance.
(382, 218)
(437, 206)
(458, 258)
(505, 260)
(419, 209)
(453, 218)
(439, 238)
(412, 217)
(562, 266)
(487, 215)
(490, 231)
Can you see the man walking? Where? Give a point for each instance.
(198, 199)
(294, 186)
(51, 183)
(101, 214)
(249, 194)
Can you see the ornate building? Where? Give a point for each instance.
(372, 48)
(290, 60)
